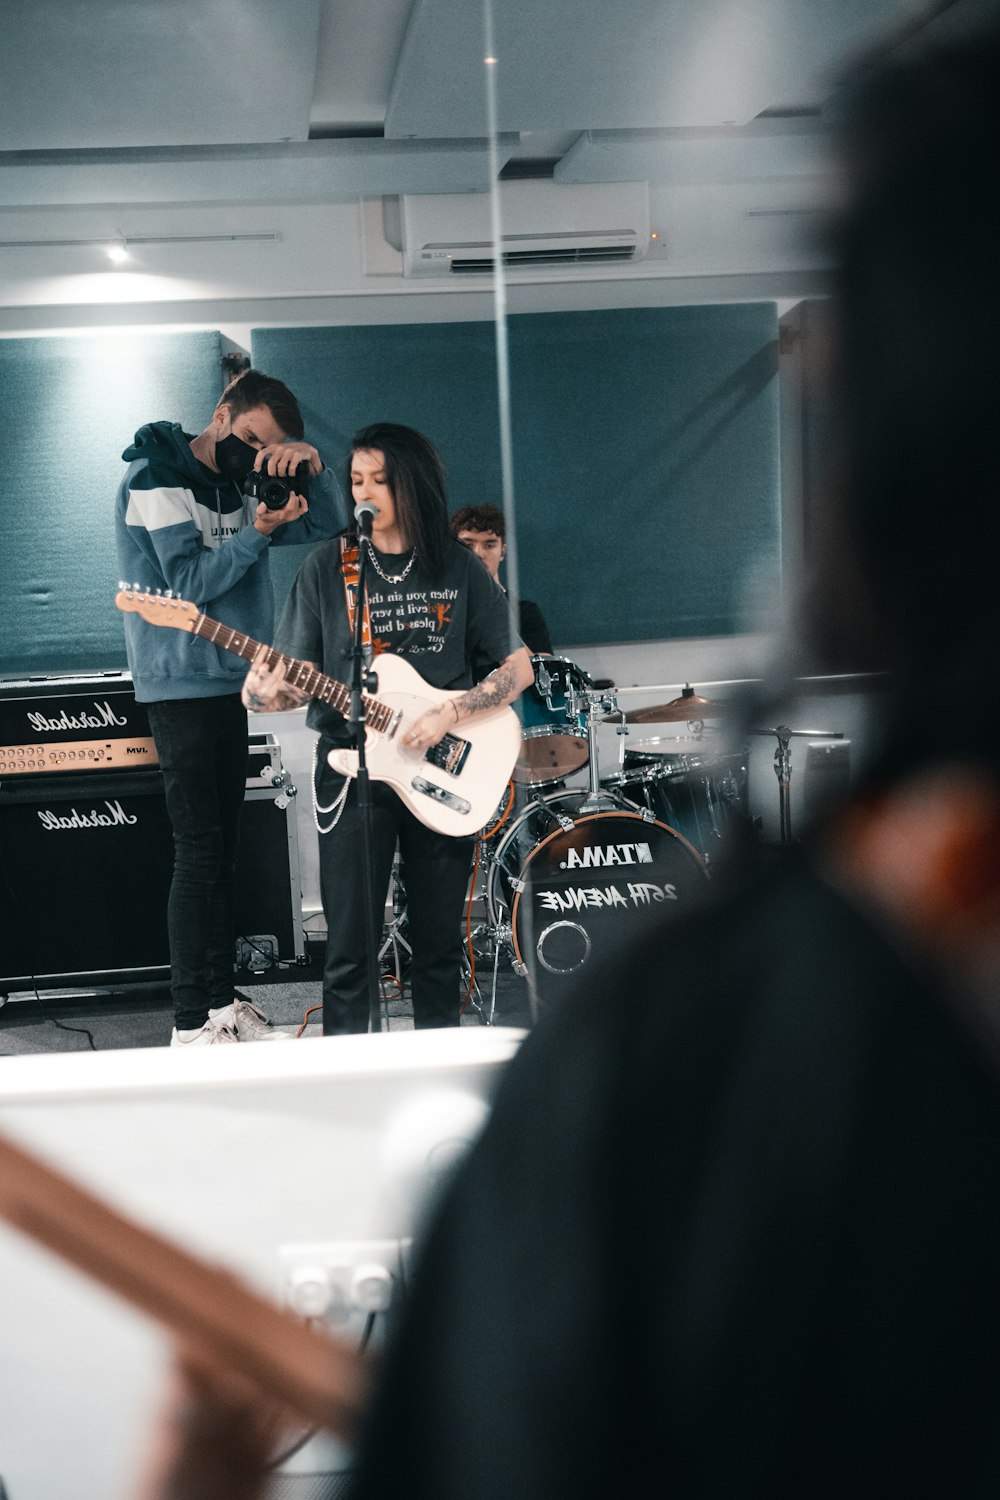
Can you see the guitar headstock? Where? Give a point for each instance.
(155, 607)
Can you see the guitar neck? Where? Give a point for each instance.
(301, 674)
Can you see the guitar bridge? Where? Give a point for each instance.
(449, 754)
(440, 794)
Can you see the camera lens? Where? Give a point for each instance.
(274, 492)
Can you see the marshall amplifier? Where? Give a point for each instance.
(85, 864)
(85, 868)
(72, 724)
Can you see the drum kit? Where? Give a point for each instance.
(567, 872)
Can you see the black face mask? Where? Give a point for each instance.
(234, 457)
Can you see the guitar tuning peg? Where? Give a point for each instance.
(169, 594)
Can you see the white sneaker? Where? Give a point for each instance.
(209, 1035)
(248, 1023)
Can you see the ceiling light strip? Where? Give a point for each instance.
(136, 239)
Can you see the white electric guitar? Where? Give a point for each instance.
(454, 787)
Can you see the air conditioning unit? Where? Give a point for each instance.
(542, 226)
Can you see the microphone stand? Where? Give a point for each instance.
(364, 680)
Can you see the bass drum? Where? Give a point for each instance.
(573, 886)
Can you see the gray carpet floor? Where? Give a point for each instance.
(140, 1015)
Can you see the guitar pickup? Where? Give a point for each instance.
(441, 794)
(449, 754)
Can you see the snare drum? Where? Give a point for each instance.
(552, 746)
(573, 886)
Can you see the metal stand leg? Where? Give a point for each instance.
(783, 767)
(783, 771)
(393, 938)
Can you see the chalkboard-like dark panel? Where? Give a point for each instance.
(71, 405)
(645, 450)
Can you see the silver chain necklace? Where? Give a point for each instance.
(390, 577)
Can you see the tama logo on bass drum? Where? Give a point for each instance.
(596, 856)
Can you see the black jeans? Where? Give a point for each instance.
(202, 745)
(435, 870)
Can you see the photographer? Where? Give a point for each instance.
(196, 515)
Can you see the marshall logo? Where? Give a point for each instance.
(115, 817)
(101, 718)
(607, 854)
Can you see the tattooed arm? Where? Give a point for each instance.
(505, 683)
(265, 689)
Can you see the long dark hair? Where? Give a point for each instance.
(415, 474)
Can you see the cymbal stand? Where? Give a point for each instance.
(498, 937)
(783, 771)
(783, 767)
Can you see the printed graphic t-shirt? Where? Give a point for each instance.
(440, 624)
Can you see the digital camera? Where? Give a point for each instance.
(273, 490)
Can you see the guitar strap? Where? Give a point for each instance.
(351, 575)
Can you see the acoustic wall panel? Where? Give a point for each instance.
(71, 404)
(646, 451)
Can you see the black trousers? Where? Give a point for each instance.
(435, 870)
(202, 746)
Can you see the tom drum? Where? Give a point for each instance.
(552, 747)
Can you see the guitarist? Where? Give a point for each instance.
(432, 601)
(183, 522)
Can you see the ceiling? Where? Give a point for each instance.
(146, 100)
(112, 108)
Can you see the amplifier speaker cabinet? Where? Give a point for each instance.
(85, 864)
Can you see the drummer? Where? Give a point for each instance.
(483, 529)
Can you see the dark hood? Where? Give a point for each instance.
(167, 444)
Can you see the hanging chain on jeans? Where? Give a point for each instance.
(336, 806)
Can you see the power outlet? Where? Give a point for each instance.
(339, 1279)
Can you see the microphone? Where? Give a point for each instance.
(364, 513)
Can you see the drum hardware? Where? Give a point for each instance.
(489, 939)
(552, 747)
(783, 767)
(591, 707)
(581, 943)
(394, 939)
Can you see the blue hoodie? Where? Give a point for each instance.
(180, 526)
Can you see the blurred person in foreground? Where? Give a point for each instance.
(733, 1228)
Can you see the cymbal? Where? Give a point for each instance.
(687, 707)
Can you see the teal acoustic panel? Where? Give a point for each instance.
(645, 450)
(71, 404)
